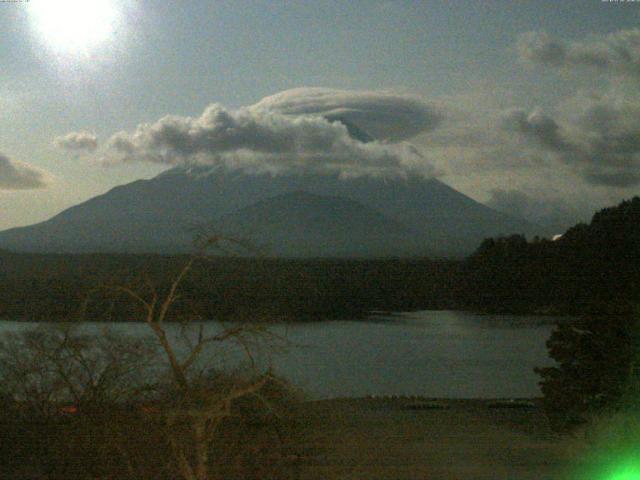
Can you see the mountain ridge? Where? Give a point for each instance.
(161, 214)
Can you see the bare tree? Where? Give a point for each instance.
(67, 396)
(52, 364)
(156, 406)
(197, 400)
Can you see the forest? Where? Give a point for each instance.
(590, 269)
(58, 287)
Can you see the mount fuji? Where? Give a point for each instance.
(290, 215)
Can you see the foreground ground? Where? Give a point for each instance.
(368, 439)
(403, 439)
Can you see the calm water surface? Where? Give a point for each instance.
(432, 353)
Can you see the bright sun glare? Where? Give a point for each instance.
(74, 26)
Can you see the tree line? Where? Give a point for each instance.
(588, 269)
(37, 287)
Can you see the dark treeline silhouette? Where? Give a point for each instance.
(588, 269)
(55, 287)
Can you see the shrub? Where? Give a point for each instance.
(598, 365)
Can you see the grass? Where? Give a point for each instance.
(380, 439)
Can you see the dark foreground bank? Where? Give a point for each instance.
(386, 438)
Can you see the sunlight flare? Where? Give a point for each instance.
(74, 26)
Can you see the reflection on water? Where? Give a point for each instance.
(432, 353)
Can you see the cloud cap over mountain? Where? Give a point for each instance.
(383, 115)
(304, 133)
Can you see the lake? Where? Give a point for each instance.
(449, 354)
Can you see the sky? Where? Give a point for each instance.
(530, 107)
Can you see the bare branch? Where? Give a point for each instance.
(171, 296)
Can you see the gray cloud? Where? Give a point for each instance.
(601, 138)
(609, 127)
(600, 132)
(538, 47)
(545, 210)
(617, 53)
(623, 179)
(19, 176)
(265, 140)
(384, 116)
(537, 126)
(77, 141)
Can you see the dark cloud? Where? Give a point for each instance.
(624, 179)
(617, 53)
(19, 176)
(602, 139)
(610, 126)
(537, 126)
(384, 116)
(542, 209)
(262, 139)
(600, 134)
(606, 132)
(77, 141)
(538, 47)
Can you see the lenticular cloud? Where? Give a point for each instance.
(385, 116)
(298, 130)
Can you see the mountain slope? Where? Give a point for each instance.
(160, 214)
(304, 224)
